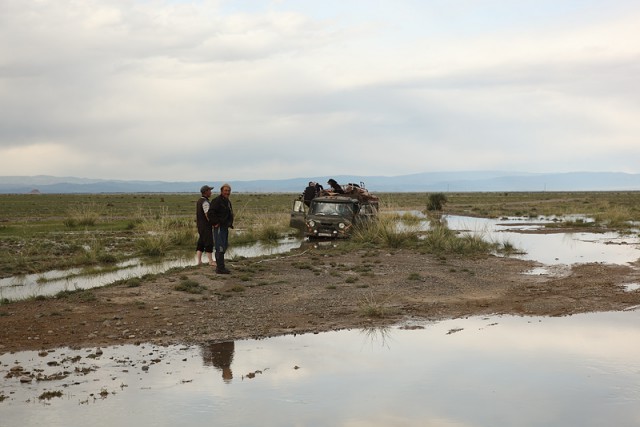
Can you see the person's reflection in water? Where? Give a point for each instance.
(219, 355)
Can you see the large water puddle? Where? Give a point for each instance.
(582, 370)
(52, 282)
(554, 250)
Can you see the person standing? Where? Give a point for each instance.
(221, 217)
(309, 193)
(205, 232)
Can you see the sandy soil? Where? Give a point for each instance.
(310, 290)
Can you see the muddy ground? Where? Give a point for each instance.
(309, 290)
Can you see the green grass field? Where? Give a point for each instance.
(51, 231)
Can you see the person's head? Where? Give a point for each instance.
(310, 183)
(332, 182)
(225, 190)
(205, 190)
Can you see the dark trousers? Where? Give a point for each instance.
(205, 239)
(221, 238)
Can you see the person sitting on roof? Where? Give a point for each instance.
(335, 187)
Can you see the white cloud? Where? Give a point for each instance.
(147, 89)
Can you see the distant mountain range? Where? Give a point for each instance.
(427, 182)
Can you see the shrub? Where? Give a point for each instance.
(508, 248)
(133, 282)
(190, 286)
(436, 201)
(616, 217)
(81, 294)
(269, 234)
(384, 231)
(411, 218)
(94, 252)
(106, 258)
(441, 239)
(83, 215)
(370, 307)
(154, 244)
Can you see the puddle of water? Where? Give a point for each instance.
(560, 270)
(260, 249)
(631, 287)
(499, 371)
(555, 248)
(31, 285)
(52, 282)
(550, 249)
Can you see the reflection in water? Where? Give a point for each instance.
(580, 370)
(219, 355)
(379, 335)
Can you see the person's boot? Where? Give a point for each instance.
(221, 269)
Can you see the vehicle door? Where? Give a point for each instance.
(298, 215)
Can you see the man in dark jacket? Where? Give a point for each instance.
(309, 193)
(221, 217)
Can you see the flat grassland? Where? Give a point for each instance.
(376, 281)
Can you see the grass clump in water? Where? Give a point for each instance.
(441, 239)
(619, 217)
(269, 234)
(372, 307)
(48, 395)
(154, 245)
(508, 248)
(384, 232)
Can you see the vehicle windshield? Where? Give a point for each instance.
(330, 208)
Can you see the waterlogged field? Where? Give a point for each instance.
(403, 309)
(44, 232)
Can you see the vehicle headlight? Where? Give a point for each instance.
(311, 223)
(341, 226)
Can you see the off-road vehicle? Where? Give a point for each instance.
(332, 215)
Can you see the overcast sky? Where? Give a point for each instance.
(247, 89)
